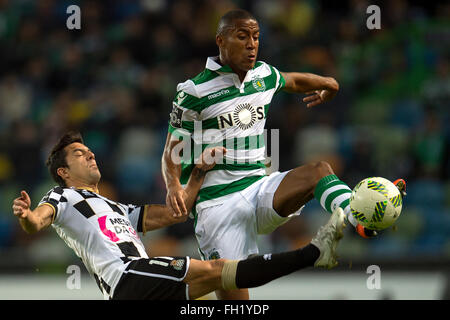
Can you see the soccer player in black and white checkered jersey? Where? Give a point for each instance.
(104, 234)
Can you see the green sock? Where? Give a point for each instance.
(332, 193)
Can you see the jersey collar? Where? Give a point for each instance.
(95, 190)
(213, 65)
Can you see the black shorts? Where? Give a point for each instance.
(158, 278)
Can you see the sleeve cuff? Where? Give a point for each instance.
(143, 217)
(51, 206)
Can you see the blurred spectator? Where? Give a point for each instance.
(15, 99)
(429, 147)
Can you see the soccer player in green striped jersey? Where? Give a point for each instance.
(226, 105)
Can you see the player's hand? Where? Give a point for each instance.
(209, 158)
(317, 97)
(21, 205)
(175, 199)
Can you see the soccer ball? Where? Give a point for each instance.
(376, 203)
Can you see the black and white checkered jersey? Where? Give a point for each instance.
(103, 233)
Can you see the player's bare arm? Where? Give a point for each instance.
(179, 199)
(35, 220)
(171, 172)
(193, 187)
(320, 89)
(159, 216)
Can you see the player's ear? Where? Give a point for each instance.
(63, 172)
(219, 40)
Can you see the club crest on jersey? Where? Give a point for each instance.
(258, 84)
(177, 264)
(214, 254)
(244, 116)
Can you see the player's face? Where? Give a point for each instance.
(239, 46)
(82, 167)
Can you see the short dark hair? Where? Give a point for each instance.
(57, 157)
(227, 20)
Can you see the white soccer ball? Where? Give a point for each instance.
(376, 203)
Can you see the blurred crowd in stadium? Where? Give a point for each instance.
(114, 80)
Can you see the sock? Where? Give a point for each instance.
(332, 193)
(259, 270)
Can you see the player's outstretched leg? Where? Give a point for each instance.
(315, 180)
(206, 276)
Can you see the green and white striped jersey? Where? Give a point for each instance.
(216, 109)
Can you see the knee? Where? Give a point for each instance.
(206, 272)
(215, 267)
(217, 264)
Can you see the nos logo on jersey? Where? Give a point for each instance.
(244, 116)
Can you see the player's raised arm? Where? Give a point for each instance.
(159, 216)
(320, 89)
(32, 220)
(171, 171)
(206, 162)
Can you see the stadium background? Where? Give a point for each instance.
(114, 80)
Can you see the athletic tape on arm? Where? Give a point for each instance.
(229, 275)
